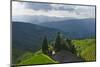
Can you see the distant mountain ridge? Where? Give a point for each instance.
(38, 19)
(76, 28)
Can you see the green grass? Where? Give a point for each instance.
(16, 54)
(89, 53)
(84, 42)
(38, 58)
(86, 49)
(25, 56)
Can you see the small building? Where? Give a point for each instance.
(53, 52)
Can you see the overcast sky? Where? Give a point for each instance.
(52, 10)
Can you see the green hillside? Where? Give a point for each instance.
(86, 49)
(89, 53)
(16, 53)
(37, 58)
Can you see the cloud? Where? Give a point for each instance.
(62, 7)
(52, 10)
(37, 6)
(51, 13)
(88, 11)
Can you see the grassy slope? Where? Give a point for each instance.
(37, 58)
(86, 48)
(16, 54)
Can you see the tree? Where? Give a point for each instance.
(58, 42)
(64, 44)
(71, 46)
(45, 45)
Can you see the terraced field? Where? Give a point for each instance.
(86, 49)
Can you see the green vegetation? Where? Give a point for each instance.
(45, 46)
(89, 53)
(43, 56)
(25, 56)
(58, 42)
(16, 54)
(86, 49)
(62, 43)
(82, 49)
(38, 58)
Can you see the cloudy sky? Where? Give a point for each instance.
(52, 10)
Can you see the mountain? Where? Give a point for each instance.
(76, 28)
(37, 19)
(29, 36)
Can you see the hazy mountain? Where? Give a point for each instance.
(26, 36)
(38, 19)
(76, 28)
